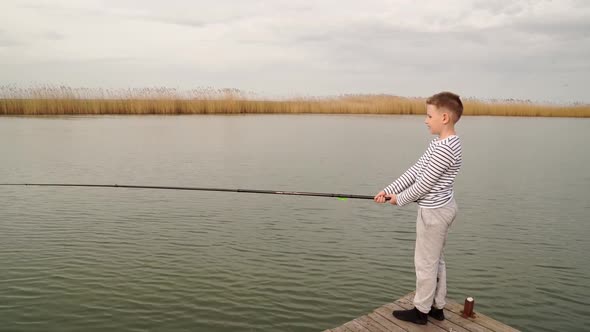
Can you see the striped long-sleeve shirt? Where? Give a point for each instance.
(429, 182)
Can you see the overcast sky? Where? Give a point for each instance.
(524, 49)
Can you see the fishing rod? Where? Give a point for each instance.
(253, 191)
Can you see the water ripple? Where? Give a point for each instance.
(94, 260)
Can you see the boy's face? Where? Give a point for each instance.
(436, 119)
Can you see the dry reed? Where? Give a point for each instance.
(49, 100)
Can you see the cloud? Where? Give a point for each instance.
(576, 28)
(53, 35)
(494, 48)
(59, 8)
(7, 41)
(499, 7)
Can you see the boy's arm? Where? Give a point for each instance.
(440, 161)
(405, 180)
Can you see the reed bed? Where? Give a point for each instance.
(63, 100)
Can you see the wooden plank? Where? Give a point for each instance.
(481, 319)
(409, 297)
(452, 320)
(482, 322)
(386, 312)
(347, 327)
(390, 326)
(453, 317)
(465, 323)
(382, 320)
(340, 329)
(354, 326)
(370, 324)
(446, 324)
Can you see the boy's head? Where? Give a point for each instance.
(443, 109)
(447, 102)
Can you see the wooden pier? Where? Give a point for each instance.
(381, 320)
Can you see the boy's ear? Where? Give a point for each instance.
(446, 117)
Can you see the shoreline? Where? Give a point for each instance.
(362, 104)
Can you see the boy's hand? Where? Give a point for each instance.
(380, 197)
(392, 199)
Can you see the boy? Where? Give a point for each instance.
(430, 183)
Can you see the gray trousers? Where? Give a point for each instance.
(432, 228)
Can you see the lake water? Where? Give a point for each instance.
(88, 259)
